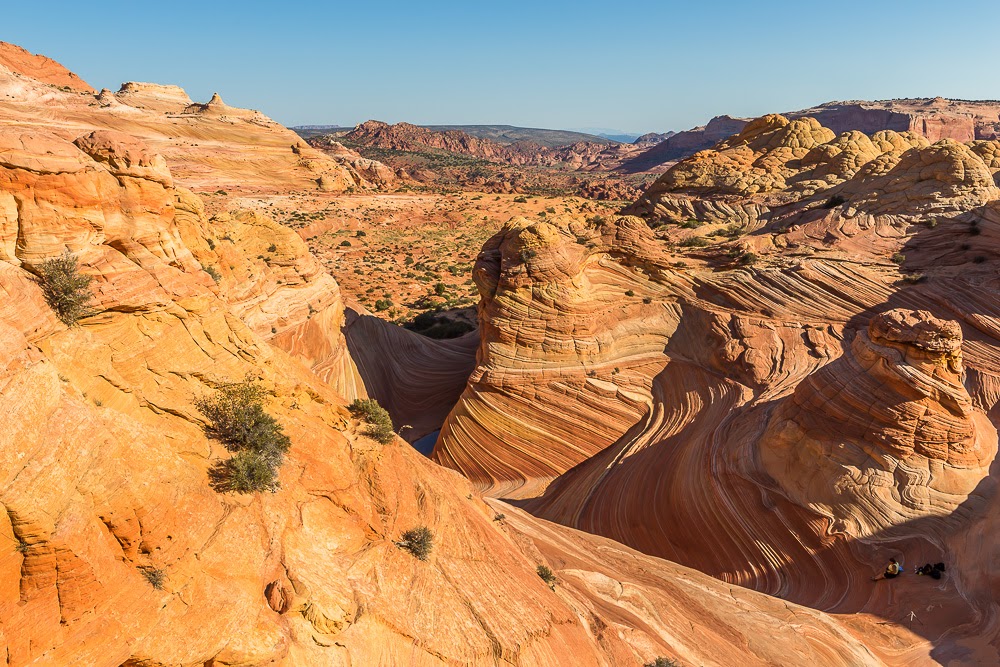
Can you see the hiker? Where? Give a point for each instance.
(932, 571)
(892, 570)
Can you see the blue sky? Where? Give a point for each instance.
(633, 65)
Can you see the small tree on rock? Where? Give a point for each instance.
(66, 290)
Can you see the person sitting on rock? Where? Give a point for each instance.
(933, 571)
(892, 570)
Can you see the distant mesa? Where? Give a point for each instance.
(153, 96)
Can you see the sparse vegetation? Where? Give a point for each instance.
(898, 258)
(434, 324)
(214, 272)
(662, 662)
(547, 575)
(629, 292)
(66, 290)
(694, 242)
(272, 248)
(238, 420)
(418, 541)
(21, 546)
(155, 576)
(379, 422)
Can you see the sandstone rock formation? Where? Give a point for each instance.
(934, 119)
(115, 549)
(38, 67)
(582, 155)
(784, 403)
(209, 147)
(886, 434)
(683, 144)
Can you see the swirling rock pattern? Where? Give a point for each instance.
(104, 471)
(800, 418)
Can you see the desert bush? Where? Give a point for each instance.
(245, 472)
(66, 290)
(418, 541)
(238, 420)
(345, 244)
(694, 242)
(155, 576)
(748, 259)
(379, 422)
(520, 200)
(214, 272)
(629, 292)
(383, 304)
(547, 575)
(899, 258)
(662, 662)
(691, 224)
(272, 248)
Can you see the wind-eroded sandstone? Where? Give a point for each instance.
(104, 469)
(803, 404)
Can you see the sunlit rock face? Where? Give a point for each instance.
(886, 434)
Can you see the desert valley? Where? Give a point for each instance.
(394, 394)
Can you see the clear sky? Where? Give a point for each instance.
(633, 65)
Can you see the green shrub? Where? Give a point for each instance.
(748, 259)
(66, 290)
(418, 541)
(272, 248)
(155, 576)
(899, 258)
(440, 289)
(383, 304)
(662, 662)
(691, 224)
(520, 200)
(694, 242)
(379, 422)
(245, 472)
(345, 244)
(238, 420)
(547, 575)
(214, 272)
(22, 547)
(629, 292)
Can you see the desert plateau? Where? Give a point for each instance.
(400, 369)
